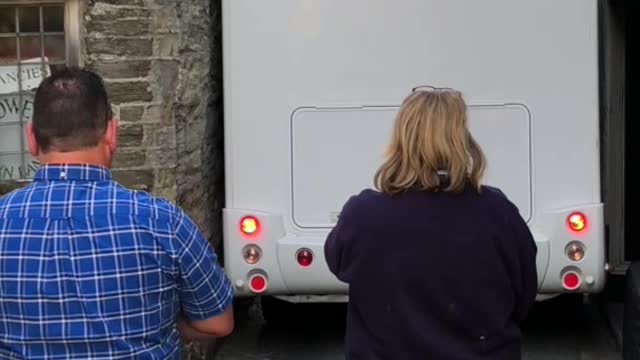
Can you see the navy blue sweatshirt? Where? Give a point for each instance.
(434, 275)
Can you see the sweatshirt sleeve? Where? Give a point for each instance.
(526, 274)
(339, 243)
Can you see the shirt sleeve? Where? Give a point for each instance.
(337, 247)
(204, 289)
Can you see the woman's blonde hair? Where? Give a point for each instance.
(431, 135)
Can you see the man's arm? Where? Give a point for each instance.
(205, 292)
(216, 327)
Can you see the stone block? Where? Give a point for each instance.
(128, 91)
(165, 19)
(123, 2)
(127, 27)
(125, 159)
(157, 113)
(140, 47)
(165, 77)
(166, 45)
(130, 114)
(150, 134)
(194, 351)
(102, 11)
(166, 136)
(117, 69)
(162, 156)
(195, 135)
(130, 136)
(135, 179)
(165, 184)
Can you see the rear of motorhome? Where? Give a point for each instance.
(312, 88)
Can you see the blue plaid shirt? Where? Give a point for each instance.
(89, 269)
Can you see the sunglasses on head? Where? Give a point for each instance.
(432, 88)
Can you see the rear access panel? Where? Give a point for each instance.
(336, 151)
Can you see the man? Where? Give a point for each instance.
(89, 269)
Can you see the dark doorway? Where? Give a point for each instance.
(632, 241)
(618, 97)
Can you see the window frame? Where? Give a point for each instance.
(73, 34)
(72, 29)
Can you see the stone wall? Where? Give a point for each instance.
(161, 61)
(156, 59)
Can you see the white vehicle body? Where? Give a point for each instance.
(312, 88)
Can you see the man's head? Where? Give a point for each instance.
(72, 119)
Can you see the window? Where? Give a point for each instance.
(37, 38)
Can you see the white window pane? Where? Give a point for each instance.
(25, 143)
(29, 168)
(8, 79)
(32, 73)
(11, 167)
(10, 136)
(16, 108)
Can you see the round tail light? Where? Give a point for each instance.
(304, 257)
(575, 251)
(258, 283)
(571, 280)
(249, 225)
(577, 221)
(252, 254)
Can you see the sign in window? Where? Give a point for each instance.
(32, 46)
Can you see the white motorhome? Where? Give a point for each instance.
(311, 89)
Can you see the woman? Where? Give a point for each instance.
(438, 265)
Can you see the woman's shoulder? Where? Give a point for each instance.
(499, 200)
(493, 193)
(365, 199)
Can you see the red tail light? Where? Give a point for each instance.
(571, 280)
(577, 221)
(249, 225)
(258, 283)
(305, 257)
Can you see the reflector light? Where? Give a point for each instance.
(249, 225)
(258, 283)
(571, 280)
(305, 257)
(252, 254)
(577, 221)
(575, 251)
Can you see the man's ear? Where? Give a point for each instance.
(111, 135)
(34, 149)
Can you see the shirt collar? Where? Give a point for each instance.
(80, 172)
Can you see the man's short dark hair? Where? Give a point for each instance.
(71, 111)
